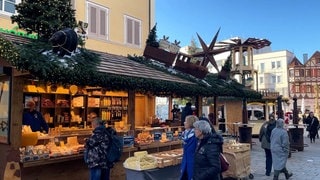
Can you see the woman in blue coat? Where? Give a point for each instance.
(189, 148)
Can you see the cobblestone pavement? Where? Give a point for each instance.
(303, 164)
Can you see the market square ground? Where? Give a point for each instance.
(303, 164)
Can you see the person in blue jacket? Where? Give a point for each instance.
(34, 118)
(189, 148)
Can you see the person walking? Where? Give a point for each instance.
(189, 148)
(280, 149)
(264, 138)
(312, 126)
(207, 165)
(96, 149)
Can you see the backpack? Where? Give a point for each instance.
(115, 147)
(270, 127)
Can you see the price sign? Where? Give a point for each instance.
(169, 135)
(128, 141)
(157, 136)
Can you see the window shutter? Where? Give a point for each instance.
(103, 22)
(136, 33)
(129, 31)
(93, 20)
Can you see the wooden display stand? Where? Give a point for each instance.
(238, 156)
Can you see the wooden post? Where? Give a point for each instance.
(131, 108)
(16, 112)
(198, 105)
(170, 108)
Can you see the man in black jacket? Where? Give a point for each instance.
(207, 165)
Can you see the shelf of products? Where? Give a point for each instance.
(62, 107)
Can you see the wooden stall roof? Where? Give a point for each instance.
(117, 65)
(120, 65)
(15, 39)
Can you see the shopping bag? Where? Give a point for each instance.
(224, 163)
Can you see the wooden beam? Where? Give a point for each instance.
(131, 108)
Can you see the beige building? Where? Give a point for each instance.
(273, 72)
(116, 27)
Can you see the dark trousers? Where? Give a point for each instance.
(268, 160)
(312, 136)
(98, 173)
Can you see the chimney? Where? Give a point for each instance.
(305, 58)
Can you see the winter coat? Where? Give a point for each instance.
(35, 120)
(207, 165)
(279, 147)
(265, 144)
(314, 125)
(189, 148)
(96, 148)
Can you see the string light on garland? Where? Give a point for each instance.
(8, 51)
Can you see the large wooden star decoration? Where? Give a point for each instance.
(209, 52)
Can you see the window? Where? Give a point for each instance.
(278, 64)
(162, 107)
(318, 72)
(297, 72)
(291, 73)
(98, 21)
(308, 73)
(8, 6)
(273, 65)
(278, 79)
(273, 79)
(132, 31)
(308, 89)
(261, 80)
(262, 67)
(297, 88)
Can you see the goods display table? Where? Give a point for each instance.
(162, 165)
(238, 155)
(167, 173)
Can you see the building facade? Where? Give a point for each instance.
(304, 80)
(272, 71)
(116, 27)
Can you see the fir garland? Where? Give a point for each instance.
(80, 69)
(7, 50)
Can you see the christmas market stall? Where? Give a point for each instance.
(70, 90)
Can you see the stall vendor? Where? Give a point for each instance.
(34, 118)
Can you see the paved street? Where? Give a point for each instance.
(303, 164)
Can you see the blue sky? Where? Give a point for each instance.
(292, 25)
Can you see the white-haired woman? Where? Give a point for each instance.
(280, 149)
(189, 147)
(207, 165)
